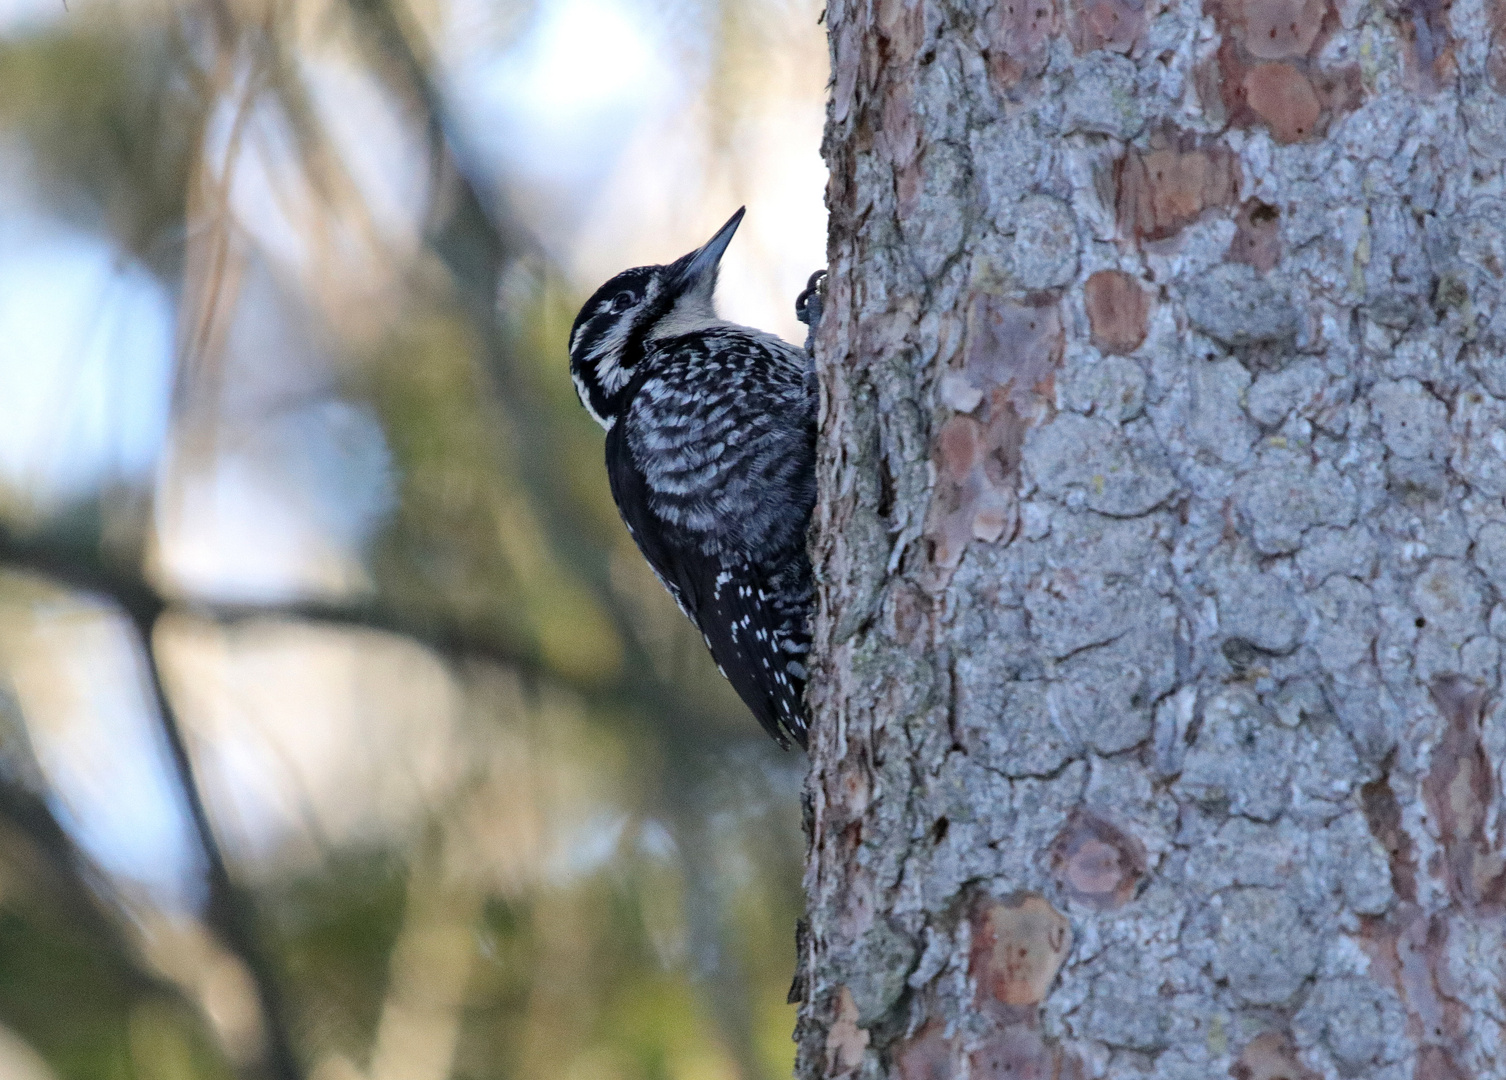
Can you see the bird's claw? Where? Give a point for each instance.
(808, 307)
(810, 294)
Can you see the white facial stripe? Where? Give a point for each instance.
(603, 357)
(585, 399)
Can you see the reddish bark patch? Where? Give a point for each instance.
(1340, 90)
(1018, 32)
(1271, 1056)
(908, 611)
(874, 72)
(1430, 46)
(1276, 29)
(1005, 386)
(1113, 25)
(1014, 346)
(1257, 236)
(1495, 58)
(908, 184)
(847, 61)
(1013, 1052)
(1436, 1063)
(1459, 788)
(1421, 951)
(975, 496)
(1097, 863)
(1383, 814)
(1118, 311)
(1407, 950)
(1284, 100)
(1160, 191)
(890, 59)
(1019, 945)
(1266, 72)
(902, 27)
(849, 794)
(959, 448)
(898, 137)
(848, 790)
(1408, 947)
(845, 1040)
(927, 1055)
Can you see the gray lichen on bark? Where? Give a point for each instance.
(1161, 543)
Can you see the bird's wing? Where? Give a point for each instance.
(726, 598)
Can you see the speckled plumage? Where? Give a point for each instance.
(710, 453)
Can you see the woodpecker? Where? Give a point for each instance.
(711, 457)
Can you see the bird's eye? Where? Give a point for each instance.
(621, 302)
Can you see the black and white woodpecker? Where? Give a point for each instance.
(711, 456)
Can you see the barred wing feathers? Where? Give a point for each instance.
(712, 468)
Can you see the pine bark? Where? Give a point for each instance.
(1161, 544)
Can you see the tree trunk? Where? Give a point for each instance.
(1162, 543)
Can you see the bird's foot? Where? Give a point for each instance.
(808, 307)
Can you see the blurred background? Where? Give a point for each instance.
(343, 733)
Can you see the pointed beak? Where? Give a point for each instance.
(702, 262)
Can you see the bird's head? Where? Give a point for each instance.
(633, 310)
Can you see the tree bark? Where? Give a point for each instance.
(1161, 543)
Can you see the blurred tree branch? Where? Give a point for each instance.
(86, 570)
(60, 927)
(229, 912)
(75, 885)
